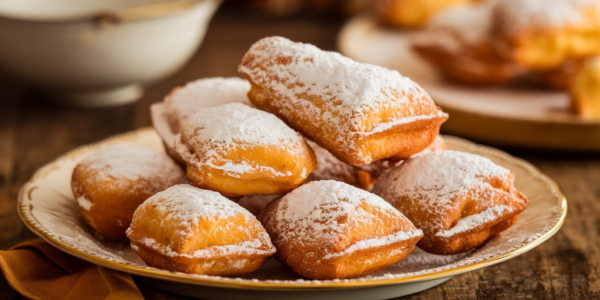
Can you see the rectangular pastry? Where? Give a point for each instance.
(358, 112)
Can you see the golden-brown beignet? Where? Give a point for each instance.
(169, 115)
(237, 150)
(542, 35)
(187, 229)
(412, 13)
(359, 112)
(332, 230)
(110, 184)
(459, 200)
(458, 43)
(585, 91)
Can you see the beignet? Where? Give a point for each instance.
(459, 200)
(111, 183)
(169, 115)
(458, 43)
(542, 35)
(237, 150)
(585, 90)
(332, 230)
(190, 230)
(359, 112)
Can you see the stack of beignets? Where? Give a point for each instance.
(331, 230)
(110, 184)
(365, 120)
(459, 200)
(238, 150)
(196, 231)
(179, 105)
(359, 112)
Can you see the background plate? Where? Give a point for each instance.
(519, 117)
(47, 207)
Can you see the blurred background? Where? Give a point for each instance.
(76, 72)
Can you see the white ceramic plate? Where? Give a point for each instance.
(48, 208)
(520, 117)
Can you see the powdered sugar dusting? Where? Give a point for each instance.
(473, 221)
(187, 205)
(84, 203)
(183, 102)
(436, 179)
(215, 131)
(350, 91)
(519, 15)
(145, 167)
(377, 242)
(315, 208)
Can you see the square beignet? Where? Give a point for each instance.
(110, 184)
(237, 150)
(359, 112)
(182, 102)
(331, 230)
(459, 200)
(190, 230)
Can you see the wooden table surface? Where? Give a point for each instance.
(33, 133)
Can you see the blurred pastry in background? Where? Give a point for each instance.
(559, 78)
(169, 115)
(541, 35)
(457, 42)
(110, 185)
(359, 112)
(412, 13)
(238, 150)
(585, 90)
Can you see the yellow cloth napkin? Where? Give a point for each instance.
(39, 271)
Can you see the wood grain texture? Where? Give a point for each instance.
(33, 133)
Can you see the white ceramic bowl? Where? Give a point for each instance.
(93, 53)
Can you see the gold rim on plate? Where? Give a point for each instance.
(34, 225)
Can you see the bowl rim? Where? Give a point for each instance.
(114, 16)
